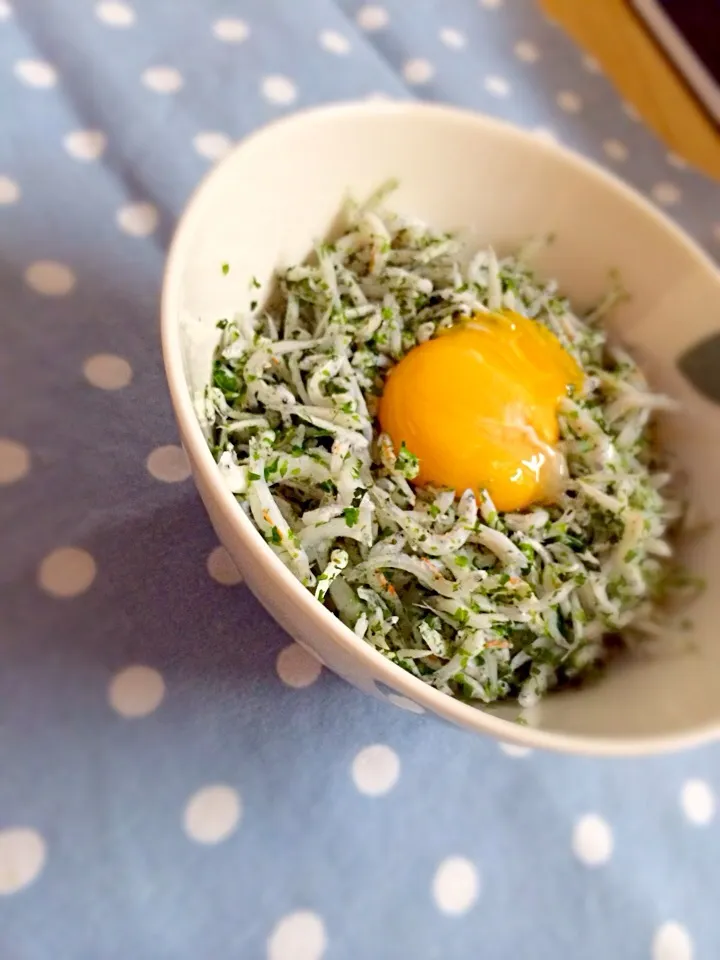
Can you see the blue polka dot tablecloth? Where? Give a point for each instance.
(178, 781)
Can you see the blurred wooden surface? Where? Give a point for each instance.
(610, 31)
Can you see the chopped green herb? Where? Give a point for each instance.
(351, 516)
(407, 463)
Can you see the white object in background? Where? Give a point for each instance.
(675, 38)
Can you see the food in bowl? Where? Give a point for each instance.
(449, 457)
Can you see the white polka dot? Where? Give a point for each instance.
(14, 461)
(546, 134)
(515, 750)
(67, 572)
(9, 191)
(456, 885)
(221, 567)
(372, 17)
(418, 71)
(592, 840)
(631, 112)
(85, 144)
(452, 38)
(22, 857)
(698, 802)
(497, 86)
(169, 464)
(212, 814)
(375, 770)
(279, 89)
(212, 145)
(162, 79)
(36, 73)
(296, 667)
(298, 936)
(137, 219)
(615, 150)
(675, 160)
(409, 705)
(672, 942)
(569, 102)
(136, 691)
(231, 30)
(50, 278)
(380, 97)
(666, 194)
(5, 10)
(115, 14)
(591, 64)
(334, 42)
(490, 4)
(107, 371)
(527, 52)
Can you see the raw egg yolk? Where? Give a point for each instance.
(478, 406)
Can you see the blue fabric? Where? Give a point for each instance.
(108, 846)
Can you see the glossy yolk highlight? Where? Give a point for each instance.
(478, 407)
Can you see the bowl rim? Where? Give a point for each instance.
(273, 568)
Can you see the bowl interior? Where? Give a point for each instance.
(264, 205)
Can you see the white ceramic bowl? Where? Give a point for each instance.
(282, 187)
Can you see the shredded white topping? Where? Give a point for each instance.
(479, 604)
